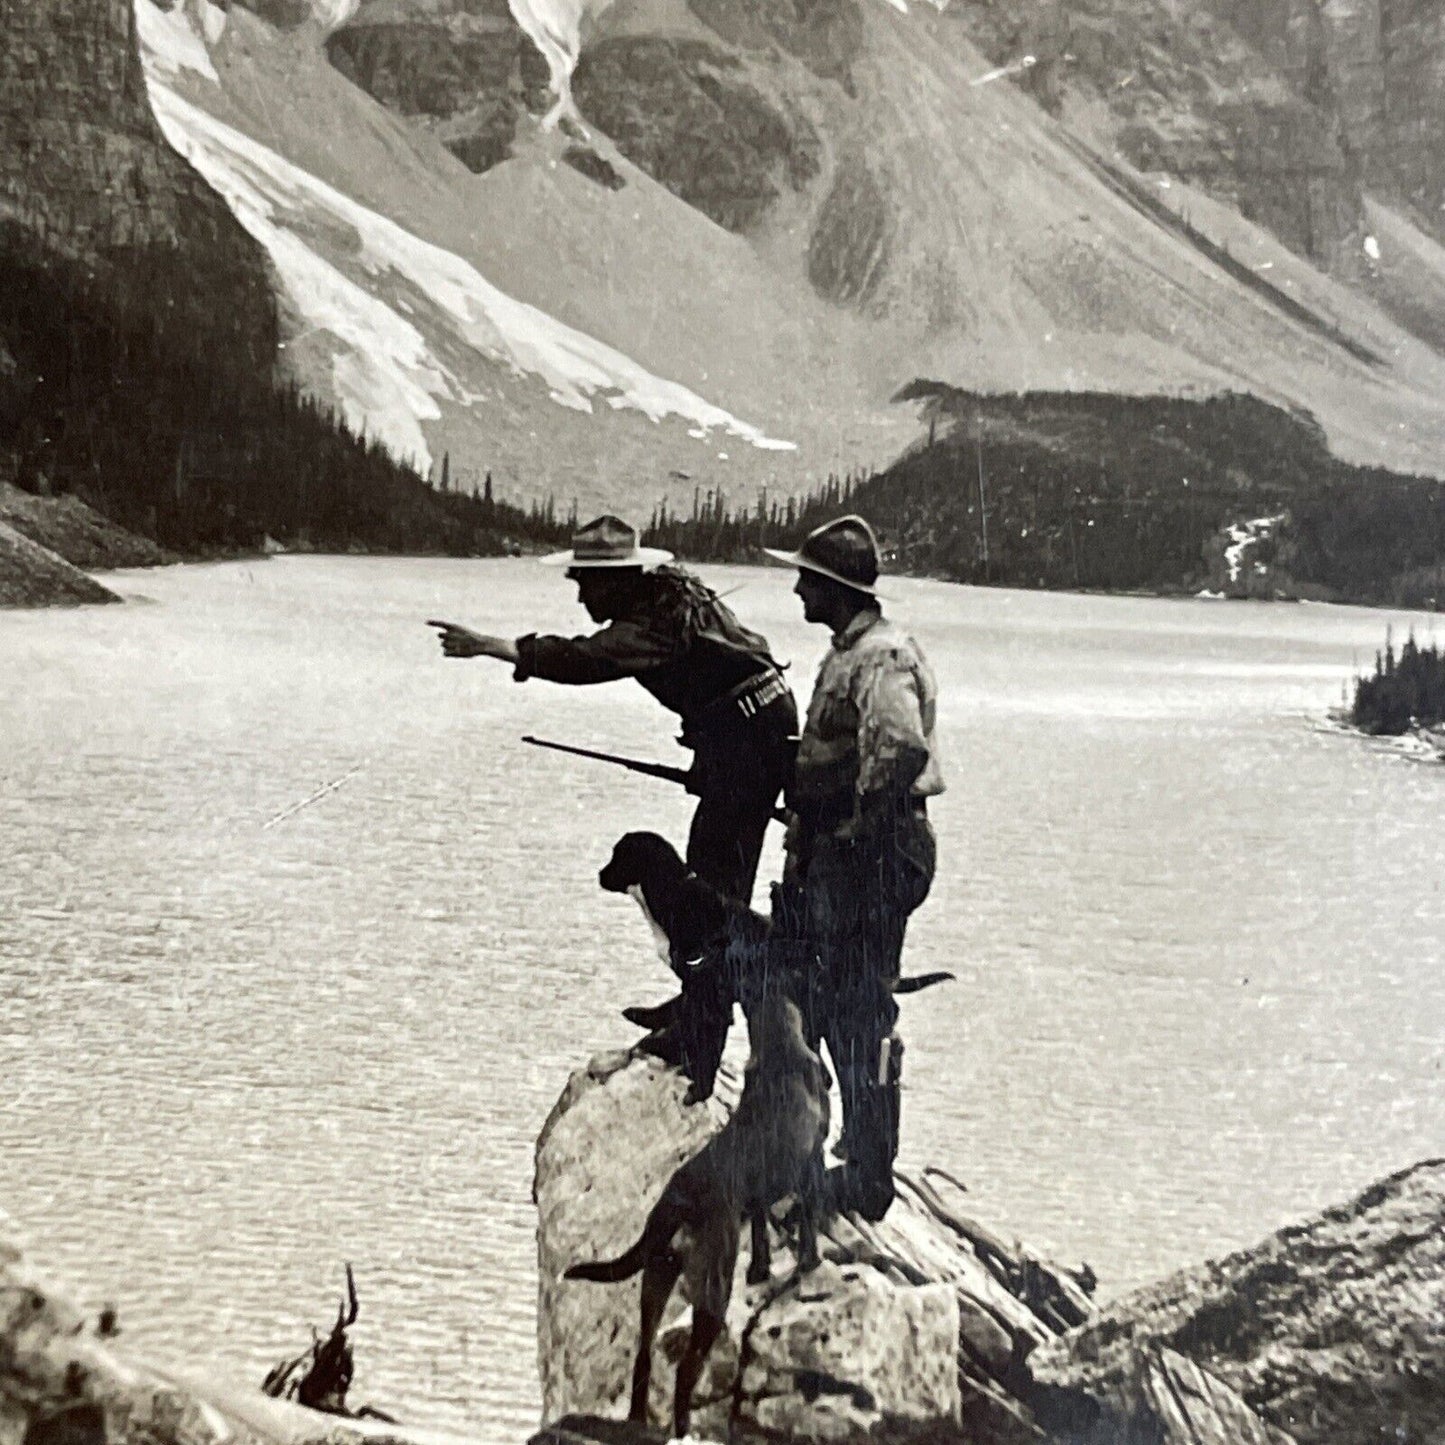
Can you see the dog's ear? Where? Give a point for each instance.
(664, 857)
(613, 875)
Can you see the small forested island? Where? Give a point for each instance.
(1404, 694)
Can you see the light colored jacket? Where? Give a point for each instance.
(875, 700)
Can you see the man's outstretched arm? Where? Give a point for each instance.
(460, 641)
(621, 649)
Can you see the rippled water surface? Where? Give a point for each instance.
(1198, 943)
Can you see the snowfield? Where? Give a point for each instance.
(359, 279)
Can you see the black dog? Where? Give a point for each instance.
(720, 950)
(771, 1148)
(712, 943)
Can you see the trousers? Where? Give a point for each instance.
(856, 899)
(740, 768)
(739, 771)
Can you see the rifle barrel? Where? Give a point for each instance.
(633, 765)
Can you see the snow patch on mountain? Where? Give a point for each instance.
(334, 13)
(555, 28)
(369, 287)
(176, 40)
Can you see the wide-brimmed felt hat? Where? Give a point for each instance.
(845, 551)
(608, 542)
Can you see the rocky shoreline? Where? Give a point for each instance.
(34, 576)
(49, 544)
(1420, 744)
(930, 1327)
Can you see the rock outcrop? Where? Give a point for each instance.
(65, 1381)
(914, 1329)
(687, 113)
(930, 1327)
(469, 74)
(33, 576)
(1292, 111)
(1332, 1330)
(75, 532)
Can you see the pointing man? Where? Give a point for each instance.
(665, 628)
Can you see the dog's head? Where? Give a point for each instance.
(639, 860)
(779, 1043)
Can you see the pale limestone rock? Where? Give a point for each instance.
(871, 1341)
(611, 1144)
(848, 1351)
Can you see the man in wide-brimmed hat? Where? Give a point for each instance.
(861, 851)
(665, 628)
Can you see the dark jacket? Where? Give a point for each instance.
(682, 643)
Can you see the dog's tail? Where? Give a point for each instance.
(920, 981)
(609, 1271)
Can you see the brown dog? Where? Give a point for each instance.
(770, 1148)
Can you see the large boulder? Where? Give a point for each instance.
(913, 1329)
(930, 1326)
(34, 576)
(601, 1162)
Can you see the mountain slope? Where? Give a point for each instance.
(756, 223)
(404, 328)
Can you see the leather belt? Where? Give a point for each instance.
(749, 697)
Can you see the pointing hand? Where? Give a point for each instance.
(459, 641)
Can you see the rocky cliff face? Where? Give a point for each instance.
(87, 180)
(1291, 110)
(1230, 97)
(468, 72)
(784, 213)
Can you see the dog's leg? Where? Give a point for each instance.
(653, 1016)
(704, 1017)
(708, 1280)
(706, 1327)
(760, 1260)
(811, 1212)
(658, 1277)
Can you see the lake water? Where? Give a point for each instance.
(1198, 942)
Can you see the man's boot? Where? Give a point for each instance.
(864, 1184)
